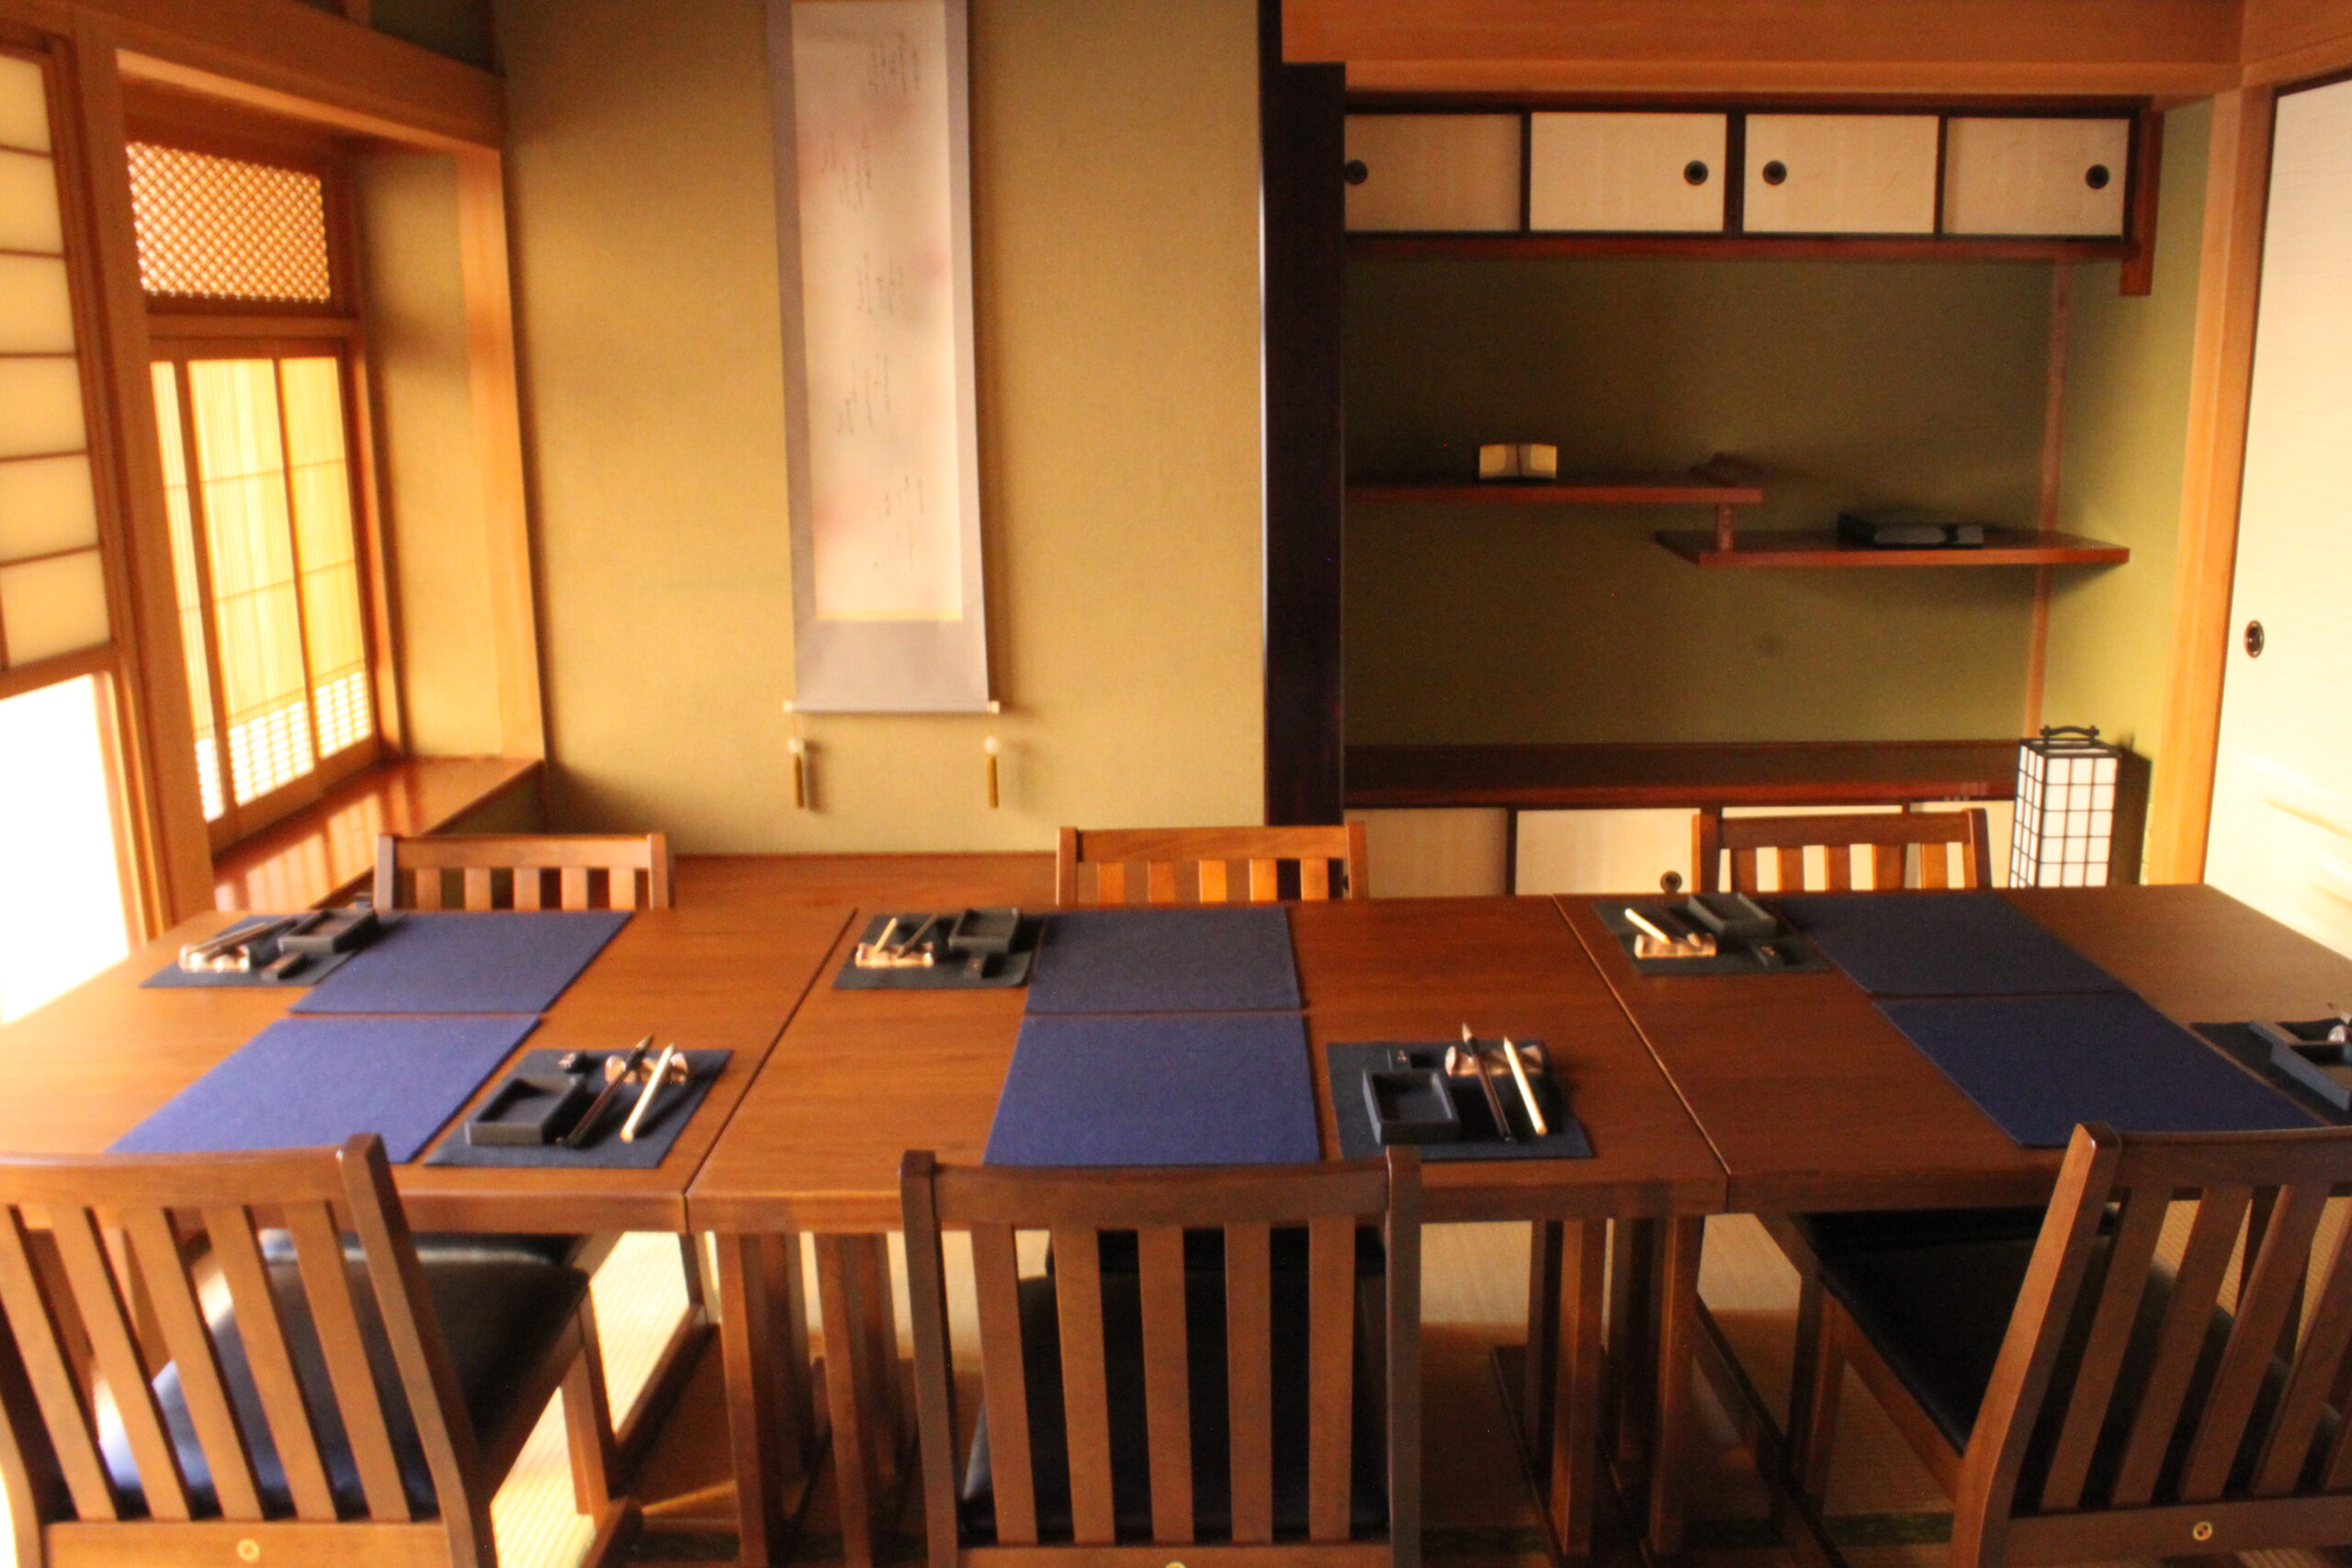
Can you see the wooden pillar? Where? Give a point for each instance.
(2221, 377)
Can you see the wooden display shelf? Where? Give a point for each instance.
(1822, 548)
(1534, 777)
(1588, 490)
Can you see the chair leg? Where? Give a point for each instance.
(1814, 1395)
(588, 1422)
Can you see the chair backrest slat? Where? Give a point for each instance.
(1004, 1384)
(1250, 1378)
(263, 1330)
(326, 1287)
(1083, 1213)
(2183, 1394)
(2196, 1286)
(1167, 1388)
(409, 872)
(1086, 1394)
(2139, 1226)
(2273, 1287)
(226, 1453)
(1889, 836)
(99, 1297)
(1331, 1316)
(1092, 866)
(65, 1408)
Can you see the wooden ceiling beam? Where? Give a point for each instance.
(288, 58)
(2170, 47)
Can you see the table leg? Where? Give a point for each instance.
(1677, 1412)
(763, 1346)
(1575, 1469)
(1629, 1403)
(1536, 1400)
(861, 1387)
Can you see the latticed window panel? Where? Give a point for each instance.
(215, 228)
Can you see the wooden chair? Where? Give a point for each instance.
(2081, 1399)
(1806, 1239)
(1182, 866)
(307, 1394)
(1888, 835)
(1221, 1390)
(518, 865)
(512, 870)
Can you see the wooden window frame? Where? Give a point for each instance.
(182, 328)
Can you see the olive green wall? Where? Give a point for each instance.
(430, 491)
(2127, 424)
(1115, 198)
(1851, 382)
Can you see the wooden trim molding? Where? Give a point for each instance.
(2219, 380)
(2288, 40)
(498, 447)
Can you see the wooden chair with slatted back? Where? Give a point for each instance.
(1888, 835)
(2085, 1399)
(1183, 865)
(1182, 1325)
(514, 870)
(304, 1394)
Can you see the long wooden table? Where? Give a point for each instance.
(1814, 1100)
(861, 1076)
(1753, 1094)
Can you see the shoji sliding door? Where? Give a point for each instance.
(2281, 836)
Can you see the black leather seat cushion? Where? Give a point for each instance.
(1938, 1314)
(500, 1314)
(1212, 1452)
(1837, 1231)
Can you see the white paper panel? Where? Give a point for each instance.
(29, 220)
(36, 311)
(45, 505)
(24, 105)
(40, 407)
(874, 234)
(52, 606)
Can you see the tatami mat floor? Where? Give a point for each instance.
(1884, 1509)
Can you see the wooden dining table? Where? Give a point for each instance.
(1702, 1096)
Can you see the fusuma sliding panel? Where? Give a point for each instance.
(2015, 175)
(1626, 173)
(53, 579)
(1450, 173)
(871, 124)
(1840, 173)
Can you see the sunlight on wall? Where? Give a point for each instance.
(60, 898)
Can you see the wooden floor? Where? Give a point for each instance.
(1882, 1506)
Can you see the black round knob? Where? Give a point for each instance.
(1775, 171)
(1694, 173)
(1354, 172)
(2097, 176)
(1670, 883)
(2254, 641)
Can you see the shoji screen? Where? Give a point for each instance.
(53, 581)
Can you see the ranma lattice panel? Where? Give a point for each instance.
(215, 228)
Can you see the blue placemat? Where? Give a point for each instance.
(307, 1081)
(1212, 960)
(315, 967)
(1941, 945)
(501, 961)
(1194, 1088)
(2040, 1065)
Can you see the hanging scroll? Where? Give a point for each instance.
(874, 232)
